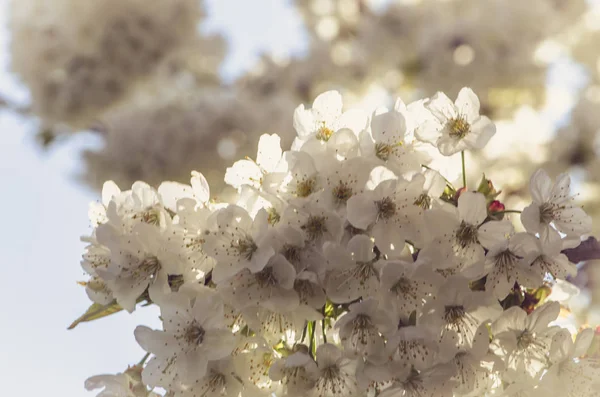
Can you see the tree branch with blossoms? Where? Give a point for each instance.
(420, 289)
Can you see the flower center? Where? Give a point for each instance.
(466, 234)
(291, 253)
(273, 216)
(266, 277)
(306, 187)
(414, 383)
(386, 208)
(330, 382)
(459, 127)
(525, 339)
(150, 216)
(362, 330)
(324, 133)
(423, 201)
(315, 227)
(149, 265)
(546, 213)
(383, 151)
(175, 281)
(245, 246)
(305, 290)
(341, 193)
(446, 272)
(96, 284)
(402, 286)
(453, 314)
(364, 271)
(194, 334)
(362, 321)
(216, 381)
(505, 258)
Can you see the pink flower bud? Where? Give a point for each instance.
(496, 206)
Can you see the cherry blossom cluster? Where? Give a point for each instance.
(346, 266)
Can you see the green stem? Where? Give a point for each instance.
(312, 348)
(143, 360)
(464, 173)
(508, 212)
(323, 329)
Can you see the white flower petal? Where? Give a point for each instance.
(472, 208)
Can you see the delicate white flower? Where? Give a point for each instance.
(271, 287)
(459, 233)
(569, 376)
(97, 211)
(194, 333)
(343, 145)
(387, 143)
(138, 261)
(191, 224)
(300, 179)
(292, 244)
(544, 256)
(342, 181)
(336, 376)
(96, 256)
(405, 286)
(309, 290)
(553, 205)
(237, 242)
(325, 119)
(504, 265)
(413, 346)
(353, 271)
(388, 212)
(249, 172)
(435, 381)
(220, 380)
(524, 340)
(457, 308)
(472, 377)
(316, 223)
(252, 362)
(456, 126)
(362, 329)
(297, 372)
(141, 204)
(127, 384)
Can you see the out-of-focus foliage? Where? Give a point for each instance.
(147, 78)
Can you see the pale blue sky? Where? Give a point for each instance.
(45, 212)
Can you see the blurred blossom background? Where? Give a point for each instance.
(135, 90)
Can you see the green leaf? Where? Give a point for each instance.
(541, 294)
(96, 311)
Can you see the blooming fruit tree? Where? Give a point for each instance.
(346, 266)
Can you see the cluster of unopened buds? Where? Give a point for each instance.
(346, 266)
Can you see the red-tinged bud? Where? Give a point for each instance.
(496, 206)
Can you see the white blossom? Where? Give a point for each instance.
(347, 266)
(553, 205)
(523, 340)
(458, 126)
(194, 334)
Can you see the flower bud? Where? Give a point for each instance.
(496, 206)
